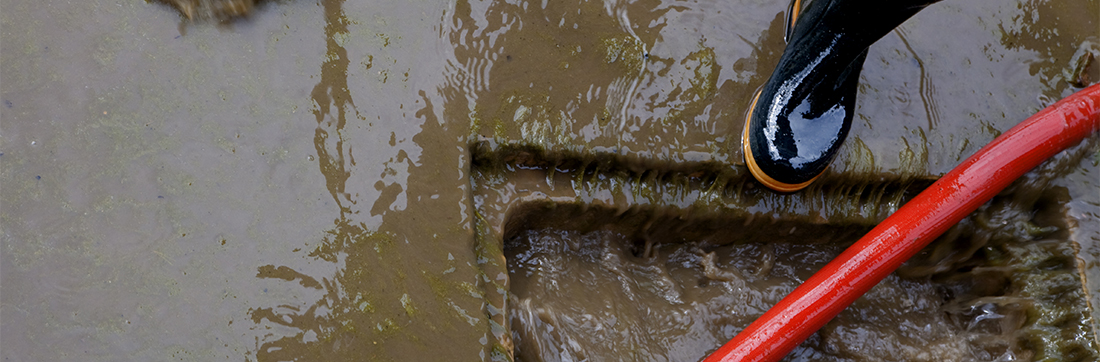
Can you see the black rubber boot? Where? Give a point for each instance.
(801, 116)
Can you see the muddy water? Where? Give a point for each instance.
(587, 296)
(604, 268)
(299, 183)
(662, 284)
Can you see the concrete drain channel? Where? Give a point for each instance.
(603, 258)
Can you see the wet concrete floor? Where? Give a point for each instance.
(331, 180)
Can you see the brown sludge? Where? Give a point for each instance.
(594, 276)
(213, 9)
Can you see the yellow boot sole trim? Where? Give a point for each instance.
(750, 162)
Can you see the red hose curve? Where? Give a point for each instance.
(913, 226)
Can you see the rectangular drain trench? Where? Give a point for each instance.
(597, 261)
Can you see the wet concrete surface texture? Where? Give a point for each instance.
(331, 180)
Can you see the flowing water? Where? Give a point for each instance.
(449, 179)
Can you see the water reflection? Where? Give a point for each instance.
(1050, 32)
(659, 80)
(333, 101)
(956, 75)
(330, 328)
(403, 277)
(316, 322)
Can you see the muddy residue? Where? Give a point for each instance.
(665, 281)
(213, 9)
(375, 304)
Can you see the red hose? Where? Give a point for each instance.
(911, 228)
